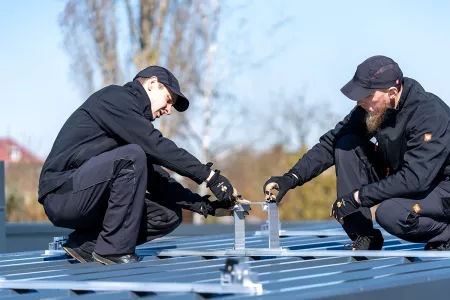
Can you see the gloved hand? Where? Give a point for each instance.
(282, 184)
(220, 208)
(343, 207)
(221, 187)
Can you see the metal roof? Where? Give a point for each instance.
(315, 268)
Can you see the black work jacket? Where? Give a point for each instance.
(112, 117)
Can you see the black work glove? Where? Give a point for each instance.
(344, 206)
(221, 187)
(219, 208)
(282, 184)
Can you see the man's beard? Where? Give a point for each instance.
(374, 121)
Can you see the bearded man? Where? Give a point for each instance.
(392, 149)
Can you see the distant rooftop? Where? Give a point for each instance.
(12, 152)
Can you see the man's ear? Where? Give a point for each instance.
(152, 82)
(392, 92)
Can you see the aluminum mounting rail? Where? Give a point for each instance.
(199, 288)
(305, 253)
(310, 233)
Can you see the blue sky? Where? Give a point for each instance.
(323, 43)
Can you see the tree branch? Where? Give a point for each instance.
(159, 28)
(134, 39)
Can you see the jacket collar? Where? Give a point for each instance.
(138, 91)
(408, 85)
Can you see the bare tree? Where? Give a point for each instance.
(108, 38)
(225, 113)
(210, 25)
(298, 118)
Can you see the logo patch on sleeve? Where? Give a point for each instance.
(416, 208)
(427, 137)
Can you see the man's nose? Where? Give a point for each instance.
(169, 109)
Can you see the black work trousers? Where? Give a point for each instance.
(106, 203)
(421, 219)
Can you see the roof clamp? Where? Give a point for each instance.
(239, 274)
(272, 224)
(55, 248)
(239, 210)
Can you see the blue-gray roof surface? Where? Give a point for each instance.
(296, 277)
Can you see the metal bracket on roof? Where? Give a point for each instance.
(55, 248)
(238, 274)
(273, 224)
(239, 211)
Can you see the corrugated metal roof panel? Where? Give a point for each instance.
(305, 276)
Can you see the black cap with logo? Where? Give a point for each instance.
(376, 72)
(168, 79)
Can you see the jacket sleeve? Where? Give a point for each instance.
(162, 186)
(124, 120)
(321, 156)
(160, 181)
(428, 140)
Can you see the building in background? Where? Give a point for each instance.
(22, 169)
(11, 152)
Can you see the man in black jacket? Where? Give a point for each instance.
(104, 176)
(406, 170)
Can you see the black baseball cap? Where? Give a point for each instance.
(168, 79)
(376, 72)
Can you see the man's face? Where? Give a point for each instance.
(376, 102)
(376, 105)
(161, 98)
